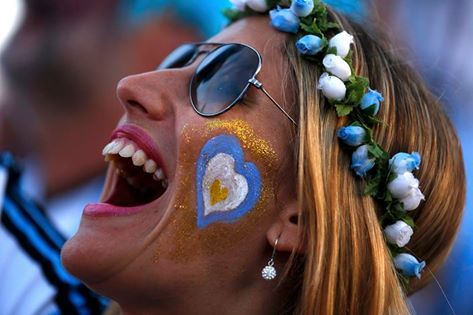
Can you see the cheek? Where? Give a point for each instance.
(226, 189)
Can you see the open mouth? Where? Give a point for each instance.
(139, 179)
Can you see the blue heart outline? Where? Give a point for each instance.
(231, 146)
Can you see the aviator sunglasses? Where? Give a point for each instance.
(222, 77)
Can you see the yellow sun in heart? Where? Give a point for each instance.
(218, 193)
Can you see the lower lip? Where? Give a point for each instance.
(107, 210)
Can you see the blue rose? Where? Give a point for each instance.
(310, 45)
(405, 162)
(284, 20)
(409, 265)
(302, 8)
(360, 162)
(352, 135)
(370, 101)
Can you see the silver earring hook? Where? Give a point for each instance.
(269, 272)
(271, 261)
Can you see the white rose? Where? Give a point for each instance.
(398, 233)
(257, 5)
(342, 42)
(337, 66)
(332, 87)
(402, 185)
(239, 4)
(412, 200)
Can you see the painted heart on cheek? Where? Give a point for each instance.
(227, 186)
(223, 188)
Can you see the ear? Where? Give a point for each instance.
(286, 230)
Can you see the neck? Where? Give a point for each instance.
(198, 288)
(265, 298)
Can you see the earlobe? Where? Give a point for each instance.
(286, 229)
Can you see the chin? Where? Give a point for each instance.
(105, 245)
(83, 258)
(126, 274)
(91, 265)
(135, 205)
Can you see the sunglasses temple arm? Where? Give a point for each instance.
(259, 86)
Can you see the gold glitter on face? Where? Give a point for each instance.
(188, 239)
(250, 141)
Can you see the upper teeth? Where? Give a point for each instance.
(128, 149)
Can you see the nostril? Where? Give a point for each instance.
(294, 219)
(137, 105)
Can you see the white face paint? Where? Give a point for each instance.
(223, 188)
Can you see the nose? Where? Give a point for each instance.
(153, 94)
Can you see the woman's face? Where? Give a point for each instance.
(226, 179)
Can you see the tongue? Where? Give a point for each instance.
(123, 194)
(144, 190)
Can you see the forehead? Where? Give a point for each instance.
(257, 33)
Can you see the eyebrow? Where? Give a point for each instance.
(201, 51)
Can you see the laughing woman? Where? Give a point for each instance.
(263, 172)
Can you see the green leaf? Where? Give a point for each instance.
(356, 88)
(306, 24)
(370, 110)
(319, 10)
(331, 50)
(315, 59)
(271, 3)
(333, 25)
(306, 28)
(376, 151)
(404, 281)
(343, 110)
(399, 208)
(349, 57)
(372, 186)
(395, 250)
(309, 25)
(234, 15)
(372, 120)
(316, 29)
(409, 221)
(324, 42)
(388, 198)
(283, 3)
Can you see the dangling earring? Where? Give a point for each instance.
(269, 272)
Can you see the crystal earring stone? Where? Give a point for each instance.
(269, 272)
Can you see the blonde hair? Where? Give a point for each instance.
(347, 268)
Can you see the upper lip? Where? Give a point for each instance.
(142, 139)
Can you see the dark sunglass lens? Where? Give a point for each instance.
(179, 57)
(222, 77)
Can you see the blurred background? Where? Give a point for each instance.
(61, 60)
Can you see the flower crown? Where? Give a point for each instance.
(388, 180)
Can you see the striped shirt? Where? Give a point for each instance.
(33, 278)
